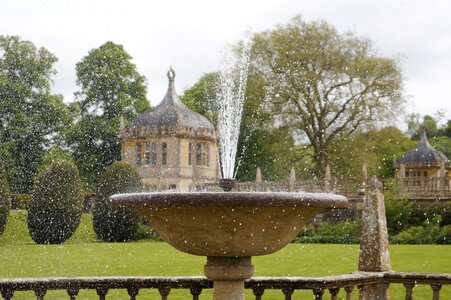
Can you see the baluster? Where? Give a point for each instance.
(436, 291)
(334, 293)
(164, 291)
(361, 288)
(348, 290)
(72, 292)
(102, 291)
(409, 290)
(132, 292)
(40, 291)
(287, 291)
(318, 293)
(195, 291)
(7, 293)
(258, 292)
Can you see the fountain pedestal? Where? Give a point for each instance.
(228, 275)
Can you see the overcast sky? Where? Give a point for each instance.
(189, 35)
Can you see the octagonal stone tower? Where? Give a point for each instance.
(172, 147)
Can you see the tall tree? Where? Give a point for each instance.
(259, 145)
(110, 87)
(375, 148)
(325, 85)
(31, 117)
(416, 128)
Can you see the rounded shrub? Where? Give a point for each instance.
(55, 209)
(116, 224)
(5, 198)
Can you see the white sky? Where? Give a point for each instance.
(189, 35)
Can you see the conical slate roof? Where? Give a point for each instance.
(170, 113)
(423, 153)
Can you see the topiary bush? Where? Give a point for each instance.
(5, 198)
(55, 209)
(116, 224)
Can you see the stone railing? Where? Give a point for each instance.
(415, 188)
(353, 285)
(423, 187)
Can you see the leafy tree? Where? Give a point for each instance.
(5, 198)
(52, 156)
(202, 97)
(116, 224)
(55, 209)
(259, 144)
(415, 128)
(374, 148)
(325, 85)
(31, 118)
(442, 144)
(445, 130)
(110, 87)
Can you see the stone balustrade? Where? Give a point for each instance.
(353, 285)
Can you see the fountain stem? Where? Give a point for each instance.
(227, 184)
(228, 275)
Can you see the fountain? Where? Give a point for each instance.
(228, 227)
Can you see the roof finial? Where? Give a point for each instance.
(171, 74)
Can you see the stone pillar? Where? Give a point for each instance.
(374, 255)
(258, 180)
(258, 175)
(442, 178)
(228, 275)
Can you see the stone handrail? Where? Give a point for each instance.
(352, 284)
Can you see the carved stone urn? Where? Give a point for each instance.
(228, 227)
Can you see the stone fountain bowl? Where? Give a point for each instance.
(232, 224)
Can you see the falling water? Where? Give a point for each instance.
(232, 85)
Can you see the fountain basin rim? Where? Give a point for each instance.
(229, 199)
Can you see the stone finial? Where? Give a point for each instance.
(402, 171)
(171, 74)
(292, 175)
(374, 185)
(364, 172)
(258, 175)
(442, 168)
(121, 123)
(327, 174)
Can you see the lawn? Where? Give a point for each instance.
(83, 255)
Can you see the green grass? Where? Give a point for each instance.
(83, 255)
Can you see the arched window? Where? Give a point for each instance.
(147, 156)
(202, 154)
(153, 160)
